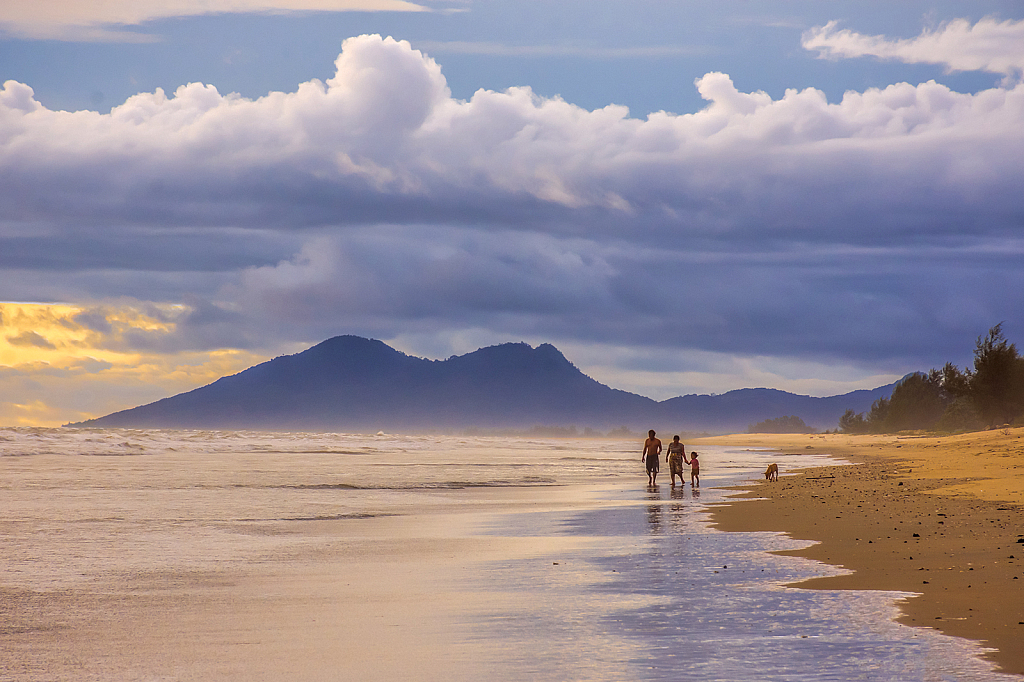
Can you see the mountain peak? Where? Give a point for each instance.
(354, 383)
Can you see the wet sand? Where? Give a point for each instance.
(941, 517)
(135, 556)
(383, 598)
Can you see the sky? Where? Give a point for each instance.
(683, 197)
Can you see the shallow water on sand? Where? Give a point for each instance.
(617, 581)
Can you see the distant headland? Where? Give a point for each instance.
(350, 383)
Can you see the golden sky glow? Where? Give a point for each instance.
(64, 363)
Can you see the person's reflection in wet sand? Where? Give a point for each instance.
(677, 511)
(654, 513)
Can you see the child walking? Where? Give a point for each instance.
(694, 471)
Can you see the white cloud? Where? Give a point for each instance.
(386, 127)
(86, 20)
(990, 45)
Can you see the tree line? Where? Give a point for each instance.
(989, 395)
(788, 424)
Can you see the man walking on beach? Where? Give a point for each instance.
(651, 453)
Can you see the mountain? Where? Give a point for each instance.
(736, 410)
(349, 383)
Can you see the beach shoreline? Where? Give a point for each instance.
(254, 557)
(939, 517)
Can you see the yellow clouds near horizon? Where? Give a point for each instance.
(63, 363)
(99, 21)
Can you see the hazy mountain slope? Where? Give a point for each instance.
(352, 383)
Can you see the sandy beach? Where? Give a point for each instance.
(134, 555)
(942, 517)
(226, 556)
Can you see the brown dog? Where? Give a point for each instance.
(772, 474)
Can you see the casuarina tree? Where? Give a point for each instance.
(995, 387)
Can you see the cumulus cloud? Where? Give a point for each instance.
(384, 141)
(106, 21)
(881, 230)
(990, 45)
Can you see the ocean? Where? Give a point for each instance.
(202, 555)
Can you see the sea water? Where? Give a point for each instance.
(636, 586)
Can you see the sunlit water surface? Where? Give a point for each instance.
(650, 592)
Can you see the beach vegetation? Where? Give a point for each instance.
(917, 403)
(988, 395)
(995, 386)
(789, 424)
(853, 422)
(960, 416)
(877, 415)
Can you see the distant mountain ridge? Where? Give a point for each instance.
(349, 383)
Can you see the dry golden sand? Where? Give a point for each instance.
(942, 517)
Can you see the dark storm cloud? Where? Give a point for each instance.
(124, 248)
(884, 228)
(834, 303)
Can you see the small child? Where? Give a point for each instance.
(694, 471)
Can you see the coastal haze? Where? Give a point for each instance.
(353, 384)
